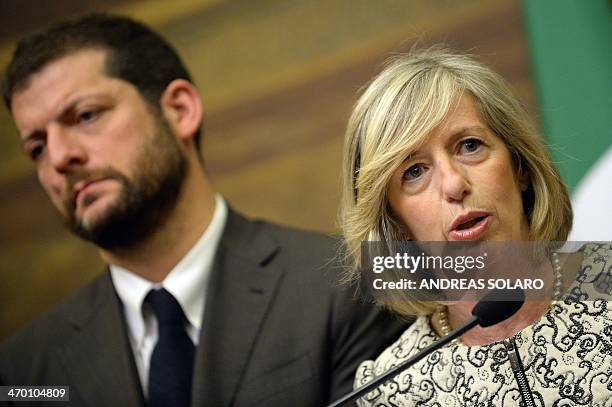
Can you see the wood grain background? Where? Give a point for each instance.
(278, 79)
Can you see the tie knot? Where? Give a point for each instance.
(165, 307)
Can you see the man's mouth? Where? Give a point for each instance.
(82, 187)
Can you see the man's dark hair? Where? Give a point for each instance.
(135, 54)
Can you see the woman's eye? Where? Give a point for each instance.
(87, 116)
(469, 146)
(413, 172)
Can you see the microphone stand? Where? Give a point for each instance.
(366, 388)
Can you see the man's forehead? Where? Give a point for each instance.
(56, 85)
(83, 61)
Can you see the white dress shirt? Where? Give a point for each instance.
(187, 282)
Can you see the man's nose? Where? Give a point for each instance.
(455, 183)
(65, 149)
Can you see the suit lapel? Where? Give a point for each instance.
(98, 358)
(241, 290)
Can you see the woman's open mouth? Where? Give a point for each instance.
(471, 226)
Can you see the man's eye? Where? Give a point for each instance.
(413, 172)
(35, 151)
(469, 146)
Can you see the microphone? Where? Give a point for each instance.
(495, 307)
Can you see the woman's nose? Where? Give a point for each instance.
(455, 184)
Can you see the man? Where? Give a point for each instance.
(199, 306)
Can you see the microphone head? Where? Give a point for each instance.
(497, 306)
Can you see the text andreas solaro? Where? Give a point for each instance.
(451, 271)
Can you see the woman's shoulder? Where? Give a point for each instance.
(597, 251)
(594, 279)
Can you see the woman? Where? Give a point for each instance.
(438, 149)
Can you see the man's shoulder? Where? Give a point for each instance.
(298, 247)
(303, 239)
(307, 251)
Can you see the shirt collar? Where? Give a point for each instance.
(187, 281)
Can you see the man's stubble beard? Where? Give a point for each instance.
(144, 203)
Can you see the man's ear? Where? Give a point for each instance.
(181, 105)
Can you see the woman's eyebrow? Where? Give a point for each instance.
(410, 156)
(461, 130)
(455, 133)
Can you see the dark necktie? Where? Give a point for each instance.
(171, 368)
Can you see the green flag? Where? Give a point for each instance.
(571, 52)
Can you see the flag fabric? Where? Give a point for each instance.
(570, 45)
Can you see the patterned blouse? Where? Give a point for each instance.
(563, 359)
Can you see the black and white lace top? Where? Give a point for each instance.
(563, 359)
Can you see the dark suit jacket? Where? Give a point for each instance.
(277, 331)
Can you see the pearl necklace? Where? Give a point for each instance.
(442, 312)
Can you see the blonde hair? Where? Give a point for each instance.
(394, 115)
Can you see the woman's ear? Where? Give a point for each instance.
(524, 179)
(181, 105)
(523, 176)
